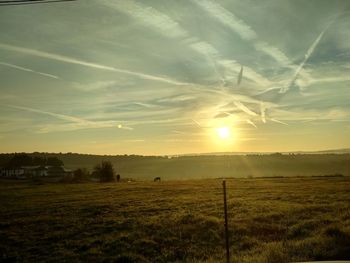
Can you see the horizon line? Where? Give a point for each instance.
(339, 150)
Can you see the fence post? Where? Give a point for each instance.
(226, 223)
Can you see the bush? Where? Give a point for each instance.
(81, 175)
(105, 171)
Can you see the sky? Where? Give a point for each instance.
(158, 77)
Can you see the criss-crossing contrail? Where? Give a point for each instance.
(244, 108)
(29, 2)
(52, 56)
(308, 54)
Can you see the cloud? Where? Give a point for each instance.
(251, 123)
(311, 81)
(150, 17)
(94, 86)
(300, 114)
(167, 27)
(28, 70)
(71, 60)
(263, 112)
(134, 140)
(244, 108)
(231, 21)
(237, 25)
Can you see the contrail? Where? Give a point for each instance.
(240, 75)
(244, 108)
(277, 121)
(231, 21)
(28, 70)
(56, 115)
(307, 56)
(61, 58)
(251, 123)
(75, 123)
(166, 26)
(263, 112)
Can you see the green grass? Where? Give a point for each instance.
(270, 220)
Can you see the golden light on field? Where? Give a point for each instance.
(223, 132)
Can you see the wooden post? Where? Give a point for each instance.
(226, 224)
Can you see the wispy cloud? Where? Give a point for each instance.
(247, 33)
(28, 70)
(94, 86)
(167, 27)
(237, 25)
(71, 60)
(310, 81)
(244, 108)
(251, 123)
(134, 140)
(263, 112)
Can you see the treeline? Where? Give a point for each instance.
(22, 159)
(103, 171)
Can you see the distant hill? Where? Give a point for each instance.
(333, 151)
(347, 150)
(210, 165)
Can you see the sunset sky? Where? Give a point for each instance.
(162, 77)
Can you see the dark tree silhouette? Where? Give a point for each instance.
(20, 159)
(80, 175)
(105, 171)
(54, 161)
(37, 160)
(23, 159)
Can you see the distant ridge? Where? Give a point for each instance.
(333, 151)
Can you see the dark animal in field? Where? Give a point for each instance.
(156, 179)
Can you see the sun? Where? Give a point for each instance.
(223, 132)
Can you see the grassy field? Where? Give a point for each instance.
(270, 220)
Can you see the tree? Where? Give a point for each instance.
(105, 171)
(20, 159)
(37, 160)
(54, 161)
(81, 175)
(23, 159)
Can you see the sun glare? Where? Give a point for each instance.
(223, 132)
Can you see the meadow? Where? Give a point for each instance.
(270, 220)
